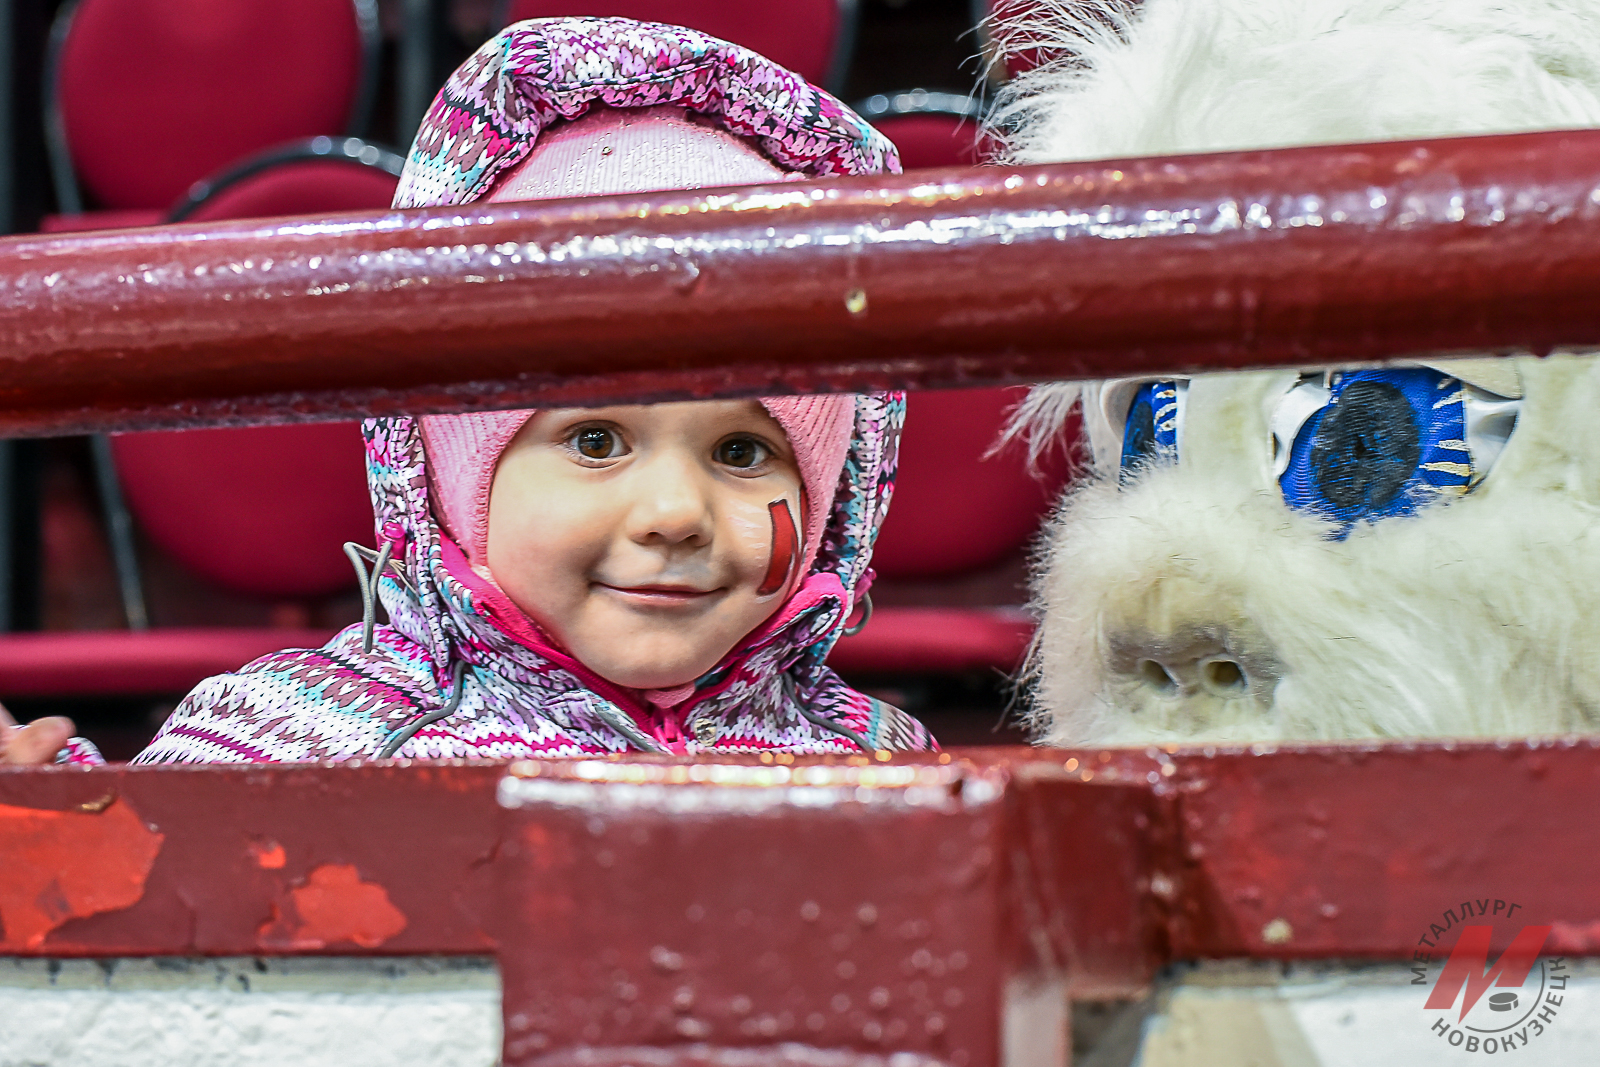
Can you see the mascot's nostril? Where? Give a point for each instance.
(1157, 677)
(1194, 666)
(1224, 677)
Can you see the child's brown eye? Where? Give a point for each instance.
(596, 442)
(741, 452)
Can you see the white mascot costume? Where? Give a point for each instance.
(1406, 552)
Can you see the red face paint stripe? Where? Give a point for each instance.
(785, 544)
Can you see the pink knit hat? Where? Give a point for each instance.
(617, 151)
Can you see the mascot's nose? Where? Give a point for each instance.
(1198, 661)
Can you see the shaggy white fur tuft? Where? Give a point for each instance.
(1039, 419)
(1193, 603)
(1210, 75)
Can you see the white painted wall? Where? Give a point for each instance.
(305, 1012)
(334, 1012)
(1227, 1013)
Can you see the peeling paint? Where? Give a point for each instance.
(61, 865)
(334, 906)
(269, 855)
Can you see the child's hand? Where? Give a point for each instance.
(34, 744)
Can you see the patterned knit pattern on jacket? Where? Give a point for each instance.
(488, 115)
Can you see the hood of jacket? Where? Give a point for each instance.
(458, 671)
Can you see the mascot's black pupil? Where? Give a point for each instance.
(1139, 436)
(1366, 447)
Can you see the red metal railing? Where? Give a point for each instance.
(1292, 256)
(961, 891)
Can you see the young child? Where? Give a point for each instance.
(663, 578)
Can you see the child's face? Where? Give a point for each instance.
(639, 536)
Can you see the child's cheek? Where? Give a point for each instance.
(749, 526)
(544, 537)
(569, 528)
(748, 537)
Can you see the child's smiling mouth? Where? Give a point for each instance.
(659, 595)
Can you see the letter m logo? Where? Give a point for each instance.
(1469, 965)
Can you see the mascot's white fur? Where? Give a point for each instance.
(1190, 602)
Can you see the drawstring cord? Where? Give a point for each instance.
(866, 617)
(623, 723)
(407, 732)
(360, 556)
(382, 558)
(817, 720)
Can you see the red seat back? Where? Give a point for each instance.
(1015, 12)
(932, 139)
(954, 511)
(264, 510)
(157, 94)
(799, 34)
(305, 187)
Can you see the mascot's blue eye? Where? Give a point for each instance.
(1150, 435)
(1386, 443)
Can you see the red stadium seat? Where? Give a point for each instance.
(918, 640)
(931, 129)
(931, 140)
(957, 512)
(957, 509)
(116, 663)
(101, 220)
(321, 175)
(206, 85)
(813, 38)
(262, 511)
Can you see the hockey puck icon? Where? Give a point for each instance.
(1503, 1002)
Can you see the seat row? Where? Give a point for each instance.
(246, 110)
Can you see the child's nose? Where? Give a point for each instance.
(673, 505)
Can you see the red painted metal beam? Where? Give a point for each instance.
(1355, 852)
(1293, 256)
(907, 906)
(837, 903)
(1122, 856)
(837, 907)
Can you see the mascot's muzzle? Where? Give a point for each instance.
(1194, 661)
